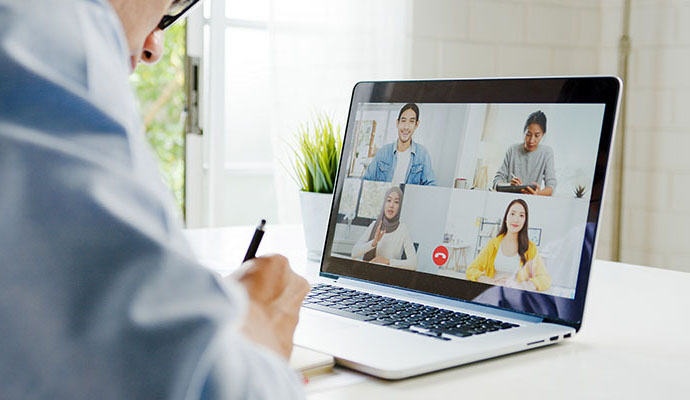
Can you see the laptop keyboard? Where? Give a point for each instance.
(399, 314)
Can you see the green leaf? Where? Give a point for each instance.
(316, 151)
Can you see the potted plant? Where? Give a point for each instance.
(314, 169)
(580, 191)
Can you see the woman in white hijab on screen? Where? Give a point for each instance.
(385, 239)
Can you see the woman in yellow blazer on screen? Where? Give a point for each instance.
(511, 251)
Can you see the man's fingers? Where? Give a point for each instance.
(265, 278)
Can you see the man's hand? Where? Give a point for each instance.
(515, 181)
(275, 296)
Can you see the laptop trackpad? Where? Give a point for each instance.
(319, 323)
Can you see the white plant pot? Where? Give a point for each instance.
(316, 208)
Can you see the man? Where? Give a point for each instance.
(529, 163)
(100, 296)
(403, 161)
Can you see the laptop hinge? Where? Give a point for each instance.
(575, 325)
(329, 276)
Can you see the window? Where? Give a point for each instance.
(267, 66)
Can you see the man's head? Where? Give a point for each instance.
(140, 20)
(535, 129)
(408, 121)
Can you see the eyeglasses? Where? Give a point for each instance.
(176, 11)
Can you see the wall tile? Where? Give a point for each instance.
(649, 108)
(575, 61)
(660, 150)
(652, 24)
(440, 18)
(678, 261)
(497, 22)
(647, 190)
(681, 106)
(611, 24)
(608, 61)
(590, 27)
(683, 27)
(680, 192)
(524, 61)
(424, 58)
(633, 255)
(656, 231)
(467, 60)
(661, 66)
(644, 67)
(552, 25)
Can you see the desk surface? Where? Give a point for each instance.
(634, 343)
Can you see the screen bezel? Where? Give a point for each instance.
(600, 90)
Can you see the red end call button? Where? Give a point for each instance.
(440, 255)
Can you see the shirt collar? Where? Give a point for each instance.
(413, 147)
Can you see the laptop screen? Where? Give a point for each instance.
(486, 201)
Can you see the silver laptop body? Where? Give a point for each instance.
(468, 130)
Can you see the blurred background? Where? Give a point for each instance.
(239, 77)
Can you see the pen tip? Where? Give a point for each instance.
(263, 222)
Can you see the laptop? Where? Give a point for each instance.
(426, 265)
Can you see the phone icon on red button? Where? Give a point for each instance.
(440, 255)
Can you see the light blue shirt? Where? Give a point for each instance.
(419, 171)
(100, 296)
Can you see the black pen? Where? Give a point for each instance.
(256, 240)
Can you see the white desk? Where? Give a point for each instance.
(635, 341)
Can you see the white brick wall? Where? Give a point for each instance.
(568, 61)
(552, 37)
(649, 108)
(554, 25)
(590, 26)
(653, 24)
(524, 60)
(440, 19)
(657, 173)
(457, 59)
(608, 61)
(485, 16)
(611, 23)
(680, 192)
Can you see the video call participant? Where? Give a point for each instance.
(403, 161)
(529, 163)
(385, 239)
(513, 253)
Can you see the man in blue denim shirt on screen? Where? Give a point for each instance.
(403, 161)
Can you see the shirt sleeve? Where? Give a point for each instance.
(501, 176)
(101, 296)
(370, 172)
(428, 177)
(363, 244)
(411, 261)
(480, 265)
(550, 171)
